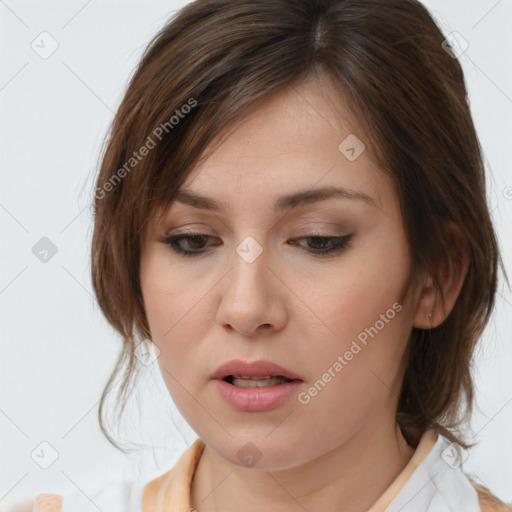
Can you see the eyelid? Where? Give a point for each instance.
(339, 226)
(310, 233)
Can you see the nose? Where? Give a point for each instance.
(253, 298)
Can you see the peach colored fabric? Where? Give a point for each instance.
(48, 503)
(171, 491)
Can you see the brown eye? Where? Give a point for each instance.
(189, 244)
(326, 244)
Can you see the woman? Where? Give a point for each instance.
(291, 207)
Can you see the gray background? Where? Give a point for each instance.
(56, 348)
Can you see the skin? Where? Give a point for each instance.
(292, 307)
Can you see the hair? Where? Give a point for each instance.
(213, 62)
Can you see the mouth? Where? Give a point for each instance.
(255, 386)
(240, 381)
(255, 374)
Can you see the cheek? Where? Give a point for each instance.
(180, 313)
(174, 318)
(171, 296)
(355, 377)
(368, 327)
(174, 310)
(365, 286)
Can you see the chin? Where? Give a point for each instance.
(260, 451)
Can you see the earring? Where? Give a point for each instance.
(430, 316)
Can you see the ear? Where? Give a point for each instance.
(453, 269)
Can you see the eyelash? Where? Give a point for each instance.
(173, 242)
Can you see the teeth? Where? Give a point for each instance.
(257, 382)
(252, 378)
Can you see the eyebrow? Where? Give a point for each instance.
(287, 202)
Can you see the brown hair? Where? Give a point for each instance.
(218, 59)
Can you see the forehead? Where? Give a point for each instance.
(295, 140)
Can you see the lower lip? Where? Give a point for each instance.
(257, 399)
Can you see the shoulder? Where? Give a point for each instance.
(489, 502)
(445, 486)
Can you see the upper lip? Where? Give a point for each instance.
(261, 368)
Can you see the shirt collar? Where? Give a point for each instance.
(171, 491)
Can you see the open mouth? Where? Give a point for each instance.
(256, 382)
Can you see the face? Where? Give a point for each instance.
(259, 284)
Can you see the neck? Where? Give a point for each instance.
(354, 474)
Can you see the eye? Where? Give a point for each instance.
(325, 244)
(193, 244)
